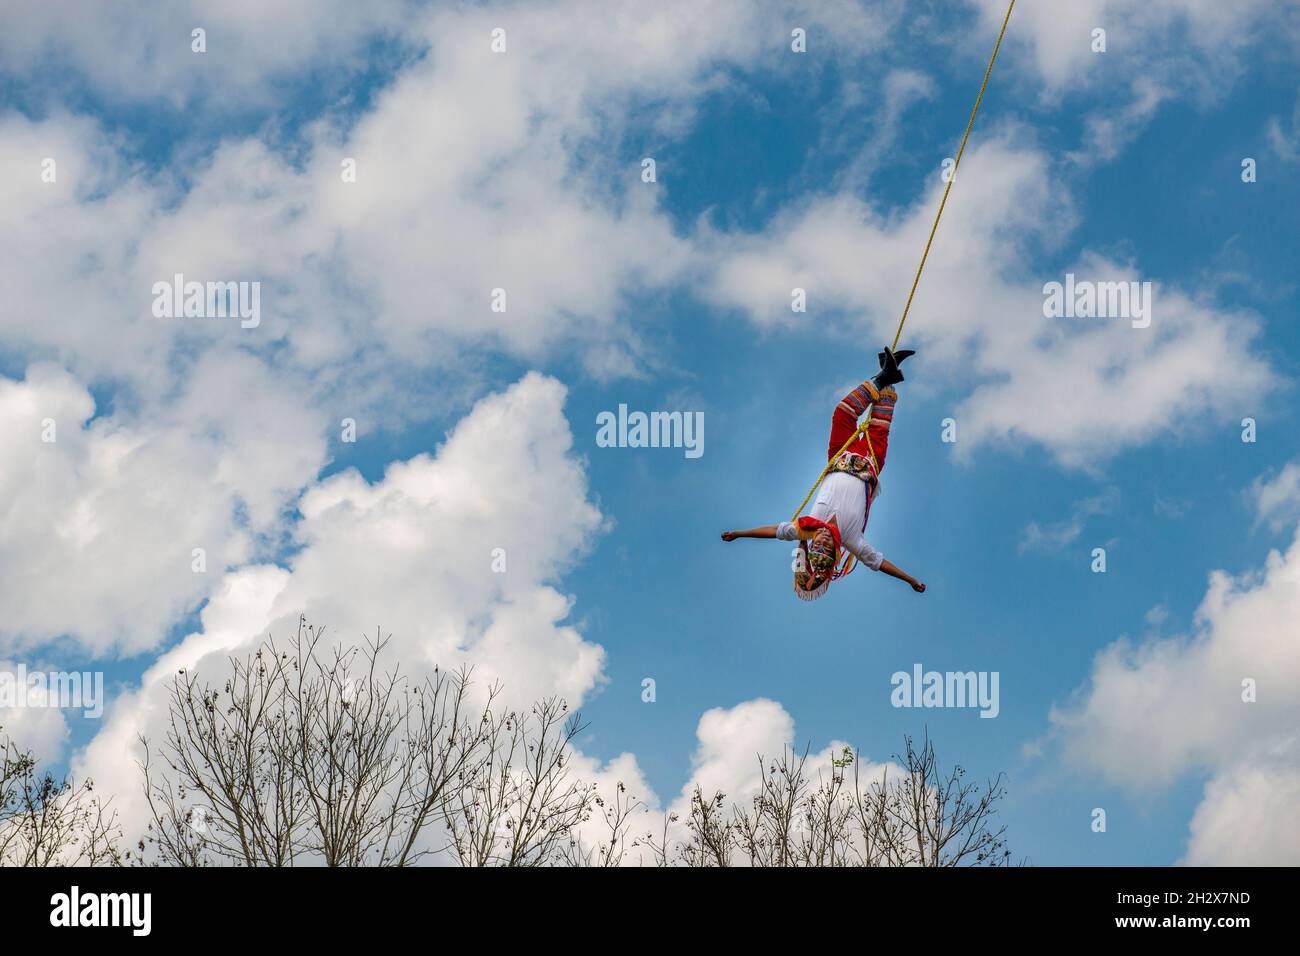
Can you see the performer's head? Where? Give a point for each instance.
(819, 555)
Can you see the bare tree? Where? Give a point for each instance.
(520, 805)
(49, 821)
(919, 816)
(944, 819)
(616, 841)
(313, 753)
(712, 831)
(310, 753)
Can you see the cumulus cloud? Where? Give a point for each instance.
(415, 551)
(111, 509)
(1221, 700)
(1247, 818)
(412, 554)
(730, 742)
(29, 724)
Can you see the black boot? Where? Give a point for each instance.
(889, 372)
(898, 356)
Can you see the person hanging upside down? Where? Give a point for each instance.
(839, 513)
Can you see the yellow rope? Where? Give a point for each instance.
(862, 429)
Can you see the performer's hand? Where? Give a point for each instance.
(728, 536)
(918, 587)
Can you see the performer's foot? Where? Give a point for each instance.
(898, 356)
(889, 373)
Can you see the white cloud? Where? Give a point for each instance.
(100, 524)
(1157, 51)
(1059, 534)
(1277, 498)
(1193, 41)
(730, 741)
(136, 49)
(1248, 818)
(67, 250)
(1156, 711)
(31, 726)
(412, 554)
(414, 551)
(1107, 133)
(1284, 135)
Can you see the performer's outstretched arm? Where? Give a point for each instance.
(766, 531)
(792, 532)
(894, 571)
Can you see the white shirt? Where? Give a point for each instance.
(845, 498)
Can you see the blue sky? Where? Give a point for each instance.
(764, 141)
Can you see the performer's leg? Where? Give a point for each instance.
(845, 420)
(882, 416)
(880, 395)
